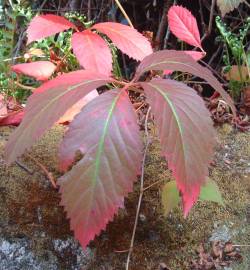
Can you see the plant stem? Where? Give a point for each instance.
(246, 3)
(141, 190)
(44, 169)
(124, 13)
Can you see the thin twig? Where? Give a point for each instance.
(44, 169)
(167, 34)
(89, 10)
(43, 4)
(141, 189)
(155, 183)
(24, 167)
(202, 17)
(162, 26)
(213, 71)
(211, 17)
(241, 245)
(25, 86)
(247, 3)
(121, 251)
(210, 24)
(143, 104)
(124, 13)
(11, 4)
(214, 55)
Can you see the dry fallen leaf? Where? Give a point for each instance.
(234, 74)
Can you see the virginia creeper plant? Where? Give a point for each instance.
(106, 131)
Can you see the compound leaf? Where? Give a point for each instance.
(40, 70)
(92, 52)
(181, 61)
(186, 134)
(43, 26)
(184, 25)
(107, 134)
(226, 6)
(47, 104)
(126, 38)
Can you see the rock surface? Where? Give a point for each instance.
(35, 234)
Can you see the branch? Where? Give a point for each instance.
(124, 13)
(141, 190)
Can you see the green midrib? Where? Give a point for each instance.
(102, 139)
(44, 109)
(176, 117)
(165, 62)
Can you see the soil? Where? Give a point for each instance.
(34, 233)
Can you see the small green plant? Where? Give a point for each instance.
(235, 55)
(16, 17)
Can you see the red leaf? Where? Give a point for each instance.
(43, 26)
(107, 133)
(180, 61)
(186, 134)
(184, 25)
(194, 54)
(47, 104)
(92, 52)
(127, 39)
(40, 70)
(12, 119)
(76, 108)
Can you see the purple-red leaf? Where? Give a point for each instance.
(194, 54)
(92, 52)
(47, 104)
(126, 38)
(43, 26)
(12, 119)
(184, 25)
(40, 70)
(180, 61)
(107, 134)
(186, 134)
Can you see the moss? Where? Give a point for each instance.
(178, 238)
(29, 205)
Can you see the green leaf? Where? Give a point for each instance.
(170, 197)
(10, 26)
(211, 192)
